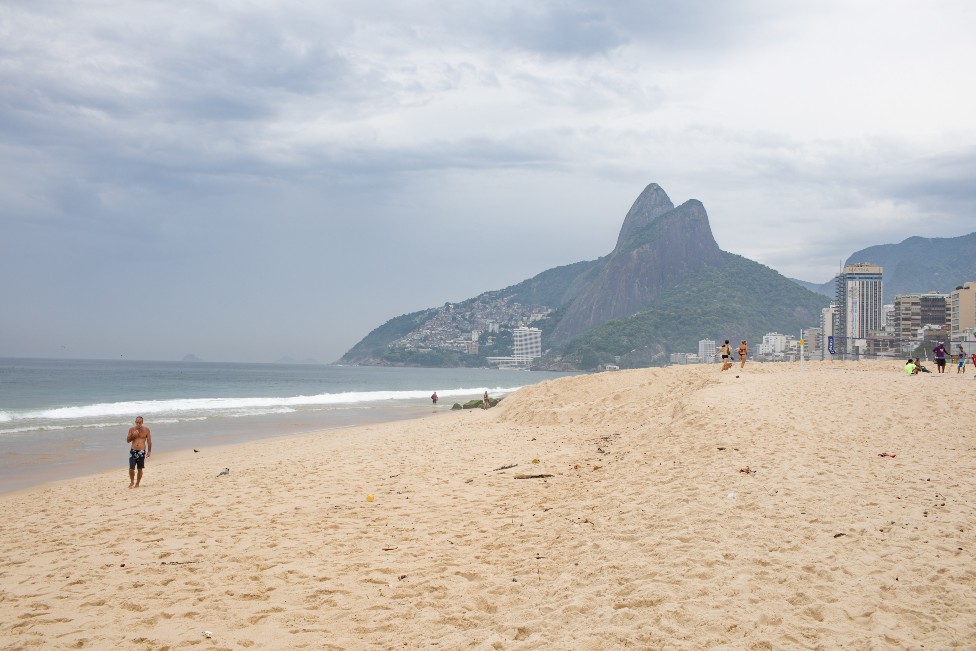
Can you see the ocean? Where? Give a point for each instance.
(64, 418)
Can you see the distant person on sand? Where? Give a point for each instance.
(743, 352)
(726, 351)
(141, 448)
(940, 353)
(484, 401)
(919, 368)
(962, 361)
(910, 368)
(433, 397)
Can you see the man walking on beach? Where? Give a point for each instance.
(141, 442)
(726, 351)
(940, 353)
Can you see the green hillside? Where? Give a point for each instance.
(739, 300)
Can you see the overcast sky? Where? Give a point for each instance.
(248, 180)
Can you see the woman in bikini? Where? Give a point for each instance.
(743, 352)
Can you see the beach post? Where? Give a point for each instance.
(801, 355)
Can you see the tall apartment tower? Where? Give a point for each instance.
(706, 350)
(526, 345)
(962, 310)
(859, 304)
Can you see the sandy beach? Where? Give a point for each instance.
(679, 508)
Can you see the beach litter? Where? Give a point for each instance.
(208, 634)
(225, 471)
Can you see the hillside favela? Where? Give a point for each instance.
(661, 297)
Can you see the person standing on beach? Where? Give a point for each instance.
(743, 353)
(940, 353)
(433, 397)
(484, 401)
(140, 441)
(726, 351)
(962, 361)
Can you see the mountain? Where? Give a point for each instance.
(658, 246)
(665, 286)
(916, 265)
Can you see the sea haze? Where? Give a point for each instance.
(69, 417)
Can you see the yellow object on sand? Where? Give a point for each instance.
(369, 498)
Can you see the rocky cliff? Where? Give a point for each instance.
(658, 246)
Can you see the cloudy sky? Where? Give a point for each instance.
(248, 180)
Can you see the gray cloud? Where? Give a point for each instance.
(257, 181)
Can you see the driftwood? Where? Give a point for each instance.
(511, 465)
(531, 476)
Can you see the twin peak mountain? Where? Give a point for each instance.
(665, 286)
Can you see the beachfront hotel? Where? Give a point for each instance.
(962, 311)
(526, 345)
(859, 306)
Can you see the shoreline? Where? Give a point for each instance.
(38, 467)
(636, 524)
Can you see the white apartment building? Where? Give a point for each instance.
(526, 345)
(706, 350)
(962, 311)
(772, 343)
(859, 291)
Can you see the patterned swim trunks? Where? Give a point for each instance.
(137, 459)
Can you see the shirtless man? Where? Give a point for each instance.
(726, 351)
(743, 352)
(141, 441)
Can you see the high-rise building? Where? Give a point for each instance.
(706, 350)
(859, 305)
(915, 311)
(526, 345)
(962, 310)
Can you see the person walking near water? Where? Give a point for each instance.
(433, 397)
(484, 401)
(743, 352)
(140, 441)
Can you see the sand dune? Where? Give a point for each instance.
(648, 534)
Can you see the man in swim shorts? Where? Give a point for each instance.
(141, 442)
(726, 352)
